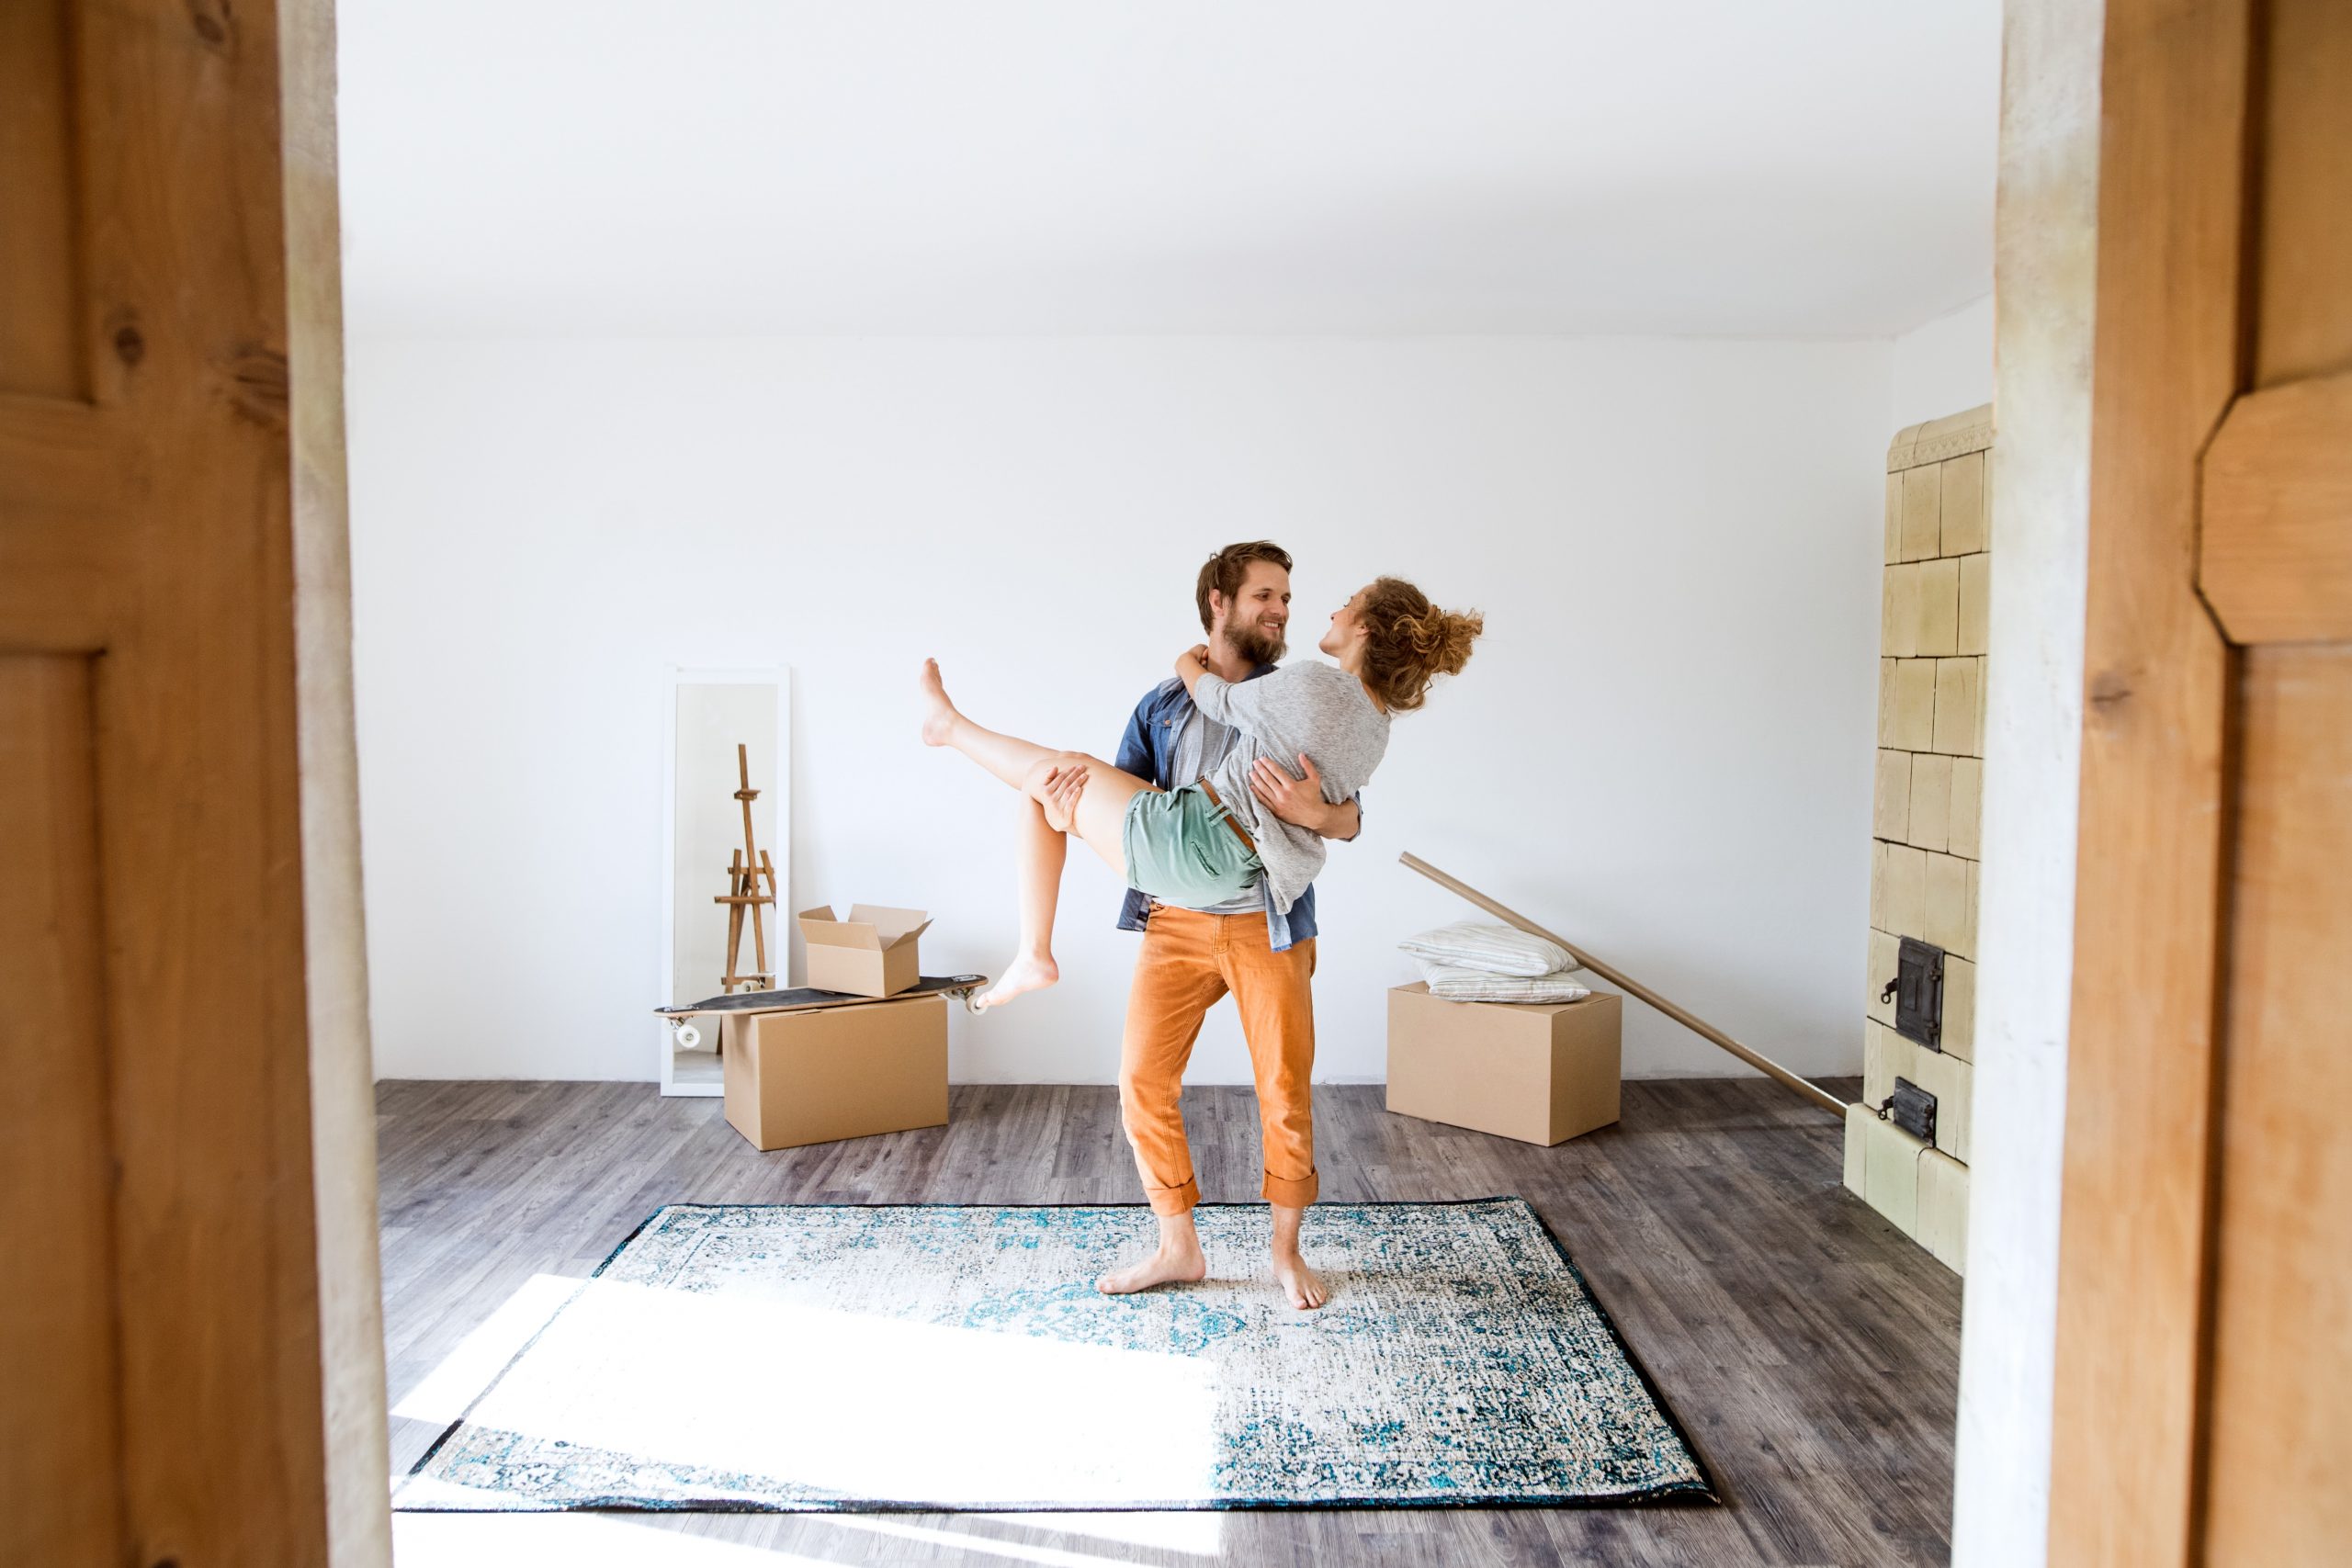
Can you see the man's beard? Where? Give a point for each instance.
(1255, 644)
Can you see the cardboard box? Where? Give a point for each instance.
(841, 1072)
(1540, 1072)
(872, 954)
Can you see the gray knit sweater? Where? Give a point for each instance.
(1308, 706)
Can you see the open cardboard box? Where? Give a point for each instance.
(872, 954)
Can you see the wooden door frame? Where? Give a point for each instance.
(2143, 1055)
(175, 621)
(342, 1056)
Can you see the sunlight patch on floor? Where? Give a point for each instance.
(605, 1540)
(1198, 1533)
(442, 1395)
(864, 1406)
(575, 1541)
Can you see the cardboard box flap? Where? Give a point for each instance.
(893, 926)
(874, 927)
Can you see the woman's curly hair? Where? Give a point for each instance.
(1411, 642)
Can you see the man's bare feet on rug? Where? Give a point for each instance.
(1058, 798)
(1302, 1284)
(938, 714)
(1171, 1262)
(1030, 971)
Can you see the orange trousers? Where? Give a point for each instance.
(1190, 960)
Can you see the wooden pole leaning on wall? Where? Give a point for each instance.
(1705, 1031)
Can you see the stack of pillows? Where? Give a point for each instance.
(1467, 962)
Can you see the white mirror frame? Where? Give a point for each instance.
(696, 1073)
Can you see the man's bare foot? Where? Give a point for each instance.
(1302, 1284)
(938, 713)
(1030, 971)
(1165, 1266)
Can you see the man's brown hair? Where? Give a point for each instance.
(1226, 570)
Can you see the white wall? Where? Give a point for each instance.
(1941, 367)
(1663, 748)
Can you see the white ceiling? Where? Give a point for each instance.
(1743, 168)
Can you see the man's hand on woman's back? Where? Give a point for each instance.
(1297, 801)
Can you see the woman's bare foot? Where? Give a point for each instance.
(938, 714)
(1302, 1284)
(1173, 1261)
(1030, 971)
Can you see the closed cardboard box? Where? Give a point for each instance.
(872, 954)
(841, 1072)
(1541, 1072)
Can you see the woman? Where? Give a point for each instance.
(1206, 842)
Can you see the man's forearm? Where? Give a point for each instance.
(1342, 821)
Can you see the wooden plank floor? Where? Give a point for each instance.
(1810, 1350)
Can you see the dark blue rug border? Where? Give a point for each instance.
(1703, 1491)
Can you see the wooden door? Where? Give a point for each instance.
(189, 1371)
(2205, 1288)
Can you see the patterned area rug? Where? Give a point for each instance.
(949, 1357)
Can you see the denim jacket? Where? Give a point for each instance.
(1147, 751)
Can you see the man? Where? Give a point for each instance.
(1264, 956)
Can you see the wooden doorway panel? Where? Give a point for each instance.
(2205, 1299)
(2278, 508)
(2282, 1308)
(60, 1491)
(174, 1298)
(2150, 843)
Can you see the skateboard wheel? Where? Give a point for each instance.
(688, 1037)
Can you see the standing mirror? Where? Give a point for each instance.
(712, 712)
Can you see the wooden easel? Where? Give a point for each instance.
(750, 865)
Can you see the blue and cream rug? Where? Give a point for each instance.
(936, 1357)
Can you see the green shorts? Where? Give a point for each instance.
(1180, 851)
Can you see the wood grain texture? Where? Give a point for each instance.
(351, 1319)
(149, 535)
(2275, 550)
(61, 1495)
(2281, 1321)
(2304, 218)
(1810, 1350)
(2141, 1061)
(41, 326)
(2282, 1311)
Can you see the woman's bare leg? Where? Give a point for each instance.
(1094, 810)
(1099, 816)
(1043, 850)
(1009, 757)
(1092, 796)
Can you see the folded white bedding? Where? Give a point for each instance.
(1458, 984)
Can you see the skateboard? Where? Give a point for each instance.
(803, 998)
